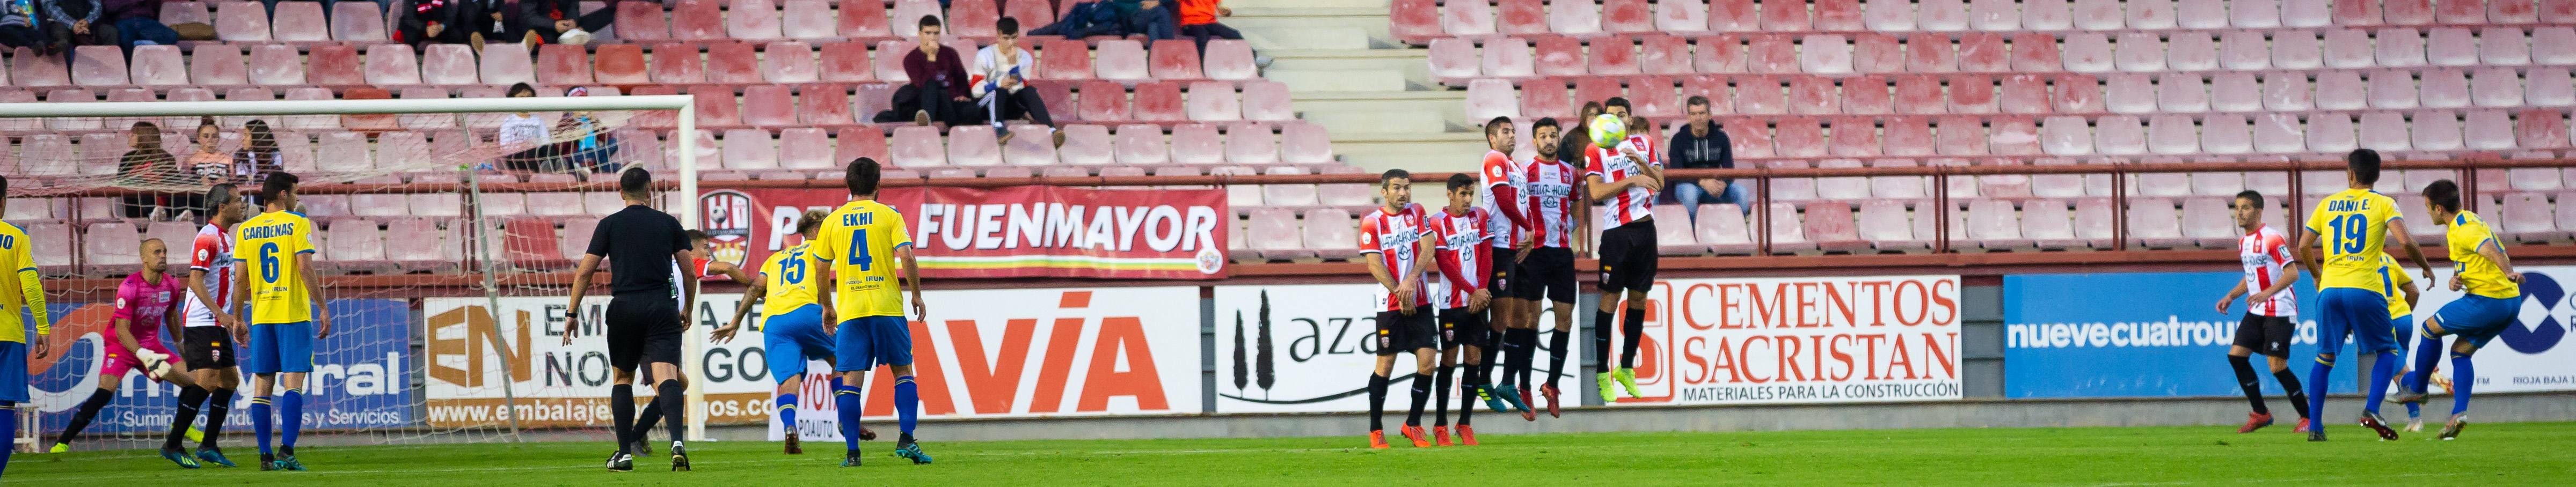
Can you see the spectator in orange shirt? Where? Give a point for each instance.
(1198, 22)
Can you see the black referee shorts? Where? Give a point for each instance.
(1628, 257)
(643, 327)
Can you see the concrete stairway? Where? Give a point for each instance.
(1374, 95)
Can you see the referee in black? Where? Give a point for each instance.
(644, 246)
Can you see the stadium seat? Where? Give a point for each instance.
(732, 63)
(98, 66)
(1722, 228)
(1251, 145)
(1332, 233)
(974, 146)
(1212, 101)
(442, 65)
(1995, 225)
(749, 150)
(1715, 54)
(861, 141)
(1160, 102)
(1122, 61)
(1197, 144)
(753, 20)
(788, 62)
(696, 21)
(241, 22)
(418, 245)
(2153, 223)
(917, 147)
(210, 67)
(1288, 194)
(1274, 234)
(1304, 143)
(1174, 59)
(1142, 145)
(1681, 16)
(2206, 222)
(357, 22)
(1557, 56)
(1088, 145)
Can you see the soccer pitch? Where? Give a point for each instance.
(2492, 454)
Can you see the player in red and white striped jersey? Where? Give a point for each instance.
(1508, 230)
(1555, 211)
(1624, 178)
(2270, 267)
(1396, 235)
(1463, 249)
(211, 319)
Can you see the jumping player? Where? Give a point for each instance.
(860, 244)
(2270, 309)
(287, 313)
(1546, 265)
(14, 343)
(1396, 234)
(643, 247)
(1463, 247)
(2494, 295)
(2346, 235)
(1509, 225)
(143, 305)
(1624, 178)
(212, 319)
(791, 323)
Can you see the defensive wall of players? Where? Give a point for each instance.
(1938, 339)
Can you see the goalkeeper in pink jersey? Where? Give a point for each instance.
(143, 305)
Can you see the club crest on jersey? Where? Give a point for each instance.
(727, 217)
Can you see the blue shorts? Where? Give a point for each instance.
(279, 347)
(2404, 326)
(2478, 319)
(2356, 312)
(865, 342)
(13, 372)
(793, 338)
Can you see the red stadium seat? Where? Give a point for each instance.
(449, 65)
(753, 20)
(917, 147)
(788, 62)
(241, 22)
(1838, 15)
(357, 22)
(1175, 60)
(1681, 16)
(619, 64)
(1468, 18)
(563, 64)
(1230, 60)
(1412, 21)
(732, 63)
(1122, 61)
(974, 146)
(1161, 103)
(641, 22)
(697, 21)
(1141, 145)
(1626, 17)
(973, 19)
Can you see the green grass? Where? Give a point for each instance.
(2491, 454)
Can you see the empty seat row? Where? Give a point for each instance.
(393, 66)
(1988, 52)
(2430, 131)
(1420, 20)
(2125, 93)
(761, 20)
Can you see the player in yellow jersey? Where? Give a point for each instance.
(2402, 294)
(2347, 235)
(860, 243)
(14, 340)
(2480, 267)
(287, 313)
(791, 320)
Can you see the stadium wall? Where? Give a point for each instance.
(1129, 360)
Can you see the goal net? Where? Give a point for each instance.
(447, 232)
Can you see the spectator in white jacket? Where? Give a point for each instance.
(999, 79)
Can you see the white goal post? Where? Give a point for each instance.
(684, 144)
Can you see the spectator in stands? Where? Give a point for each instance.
(939, 89)
(1570, 147)
(258, 156)
(22, 24)
(591, 143)
(209, 162)
(1701, 144)
(1000, 78)
(523, 134)
(1150, 18)
(424, 22)
(76, 23)
(1198, 22)
(549, 20)
(146, 165)
(138, 23)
